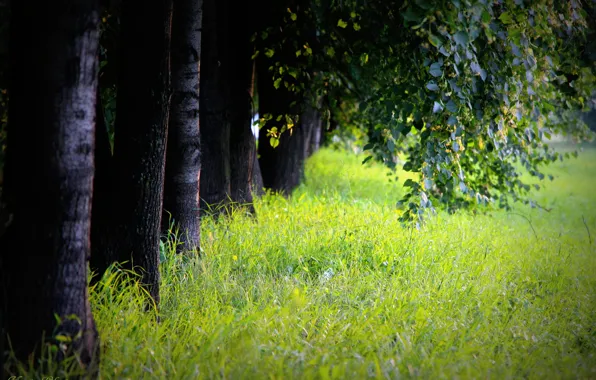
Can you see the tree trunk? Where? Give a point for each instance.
(101, 217)
(242, 140)
(183, 163)
(49, 178)
(257, 187)
(282, 167)
(100, 221)
(215, 105)
(312, 117)
(138, 164)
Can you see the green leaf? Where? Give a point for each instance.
(435, 40)
(269, 52)
(391, 146)
(63, 338)
(367, 159)
(451, 106)
(548, 107)
(506, 18)
(363, 59)
(274, 142)
(410, 183)
(486, 17)
(341, 23)
(435, 70)
(515, 35)
(277, 83)
(461, 38)
(432, 86)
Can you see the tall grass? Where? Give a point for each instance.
(328, 284)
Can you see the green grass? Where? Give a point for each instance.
(328, 284)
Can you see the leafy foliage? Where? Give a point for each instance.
(469, 92)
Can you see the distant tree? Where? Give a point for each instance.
(183, 161)
(290, 118)
(282, 164)
(46, 203)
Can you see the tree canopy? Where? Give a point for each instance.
(469, 92)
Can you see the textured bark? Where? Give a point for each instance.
(215, 108)
(138, 163)
(49, 178)
(242, 141)
(183, 162)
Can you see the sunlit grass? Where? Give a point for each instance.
(328, 284)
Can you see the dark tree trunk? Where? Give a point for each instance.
(183, 163)
(101, 217)
(282, 167)
(100, 221)
(242, 141)
(312, 117)
(138, 163)
(257, 186)
(215, 106)
(49, 177)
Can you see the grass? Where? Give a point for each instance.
(328, 285)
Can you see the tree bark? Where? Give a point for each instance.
(215, 185)
(49, 179)
(242, 140)
(183, 162)
(138, 164)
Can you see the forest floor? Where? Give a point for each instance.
(328, 284)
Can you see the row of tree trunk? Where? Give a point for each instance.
(69, 199)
